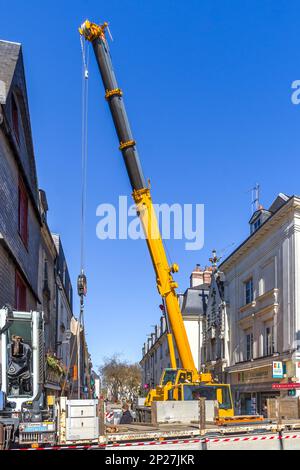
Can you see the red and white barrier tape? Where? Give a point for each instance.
(175, 441)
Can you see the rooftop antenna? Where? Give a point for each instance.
(255, 198)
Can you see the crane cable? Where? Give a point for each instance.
(84, 155)
(84, 145)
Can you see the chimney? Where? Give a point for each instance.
(196, 278)
(200, 276)
(207, 274)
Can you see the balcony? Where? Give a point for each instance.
(264, 306)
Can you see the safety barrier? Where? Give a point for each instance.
(205, 440)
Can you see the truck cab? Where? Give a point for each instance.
(210, 391)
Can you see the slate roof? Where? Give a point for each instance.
(9, 56)
(279, 202)
(194, 300)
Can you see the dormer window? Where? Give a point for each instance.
(257, 224)
(15, 118)
(258, 218)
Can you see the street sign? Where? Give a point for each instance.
(286, 386)
(277, 370)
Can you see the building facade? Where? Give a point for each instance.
(33, 269)
(193, 303)
(20, 219)
(64, 304)
(19, 203)
(262, 295)
(216, 328)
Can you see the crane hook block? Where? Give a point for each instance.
(81, 284)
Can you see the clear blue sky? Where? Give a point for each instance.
(208, 86)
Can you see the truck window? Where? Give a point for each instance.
(194, 392)
(169, 376)
(189, 376)
(182, 378)
(226, 401)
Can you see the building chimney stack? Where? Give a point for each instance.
(200, 276)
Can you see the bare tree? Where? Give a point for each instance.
(133, 380)
(121, 378)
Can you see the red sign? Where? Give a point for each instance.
(286, 386)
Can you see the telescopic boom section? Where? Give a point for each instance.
(141, 194)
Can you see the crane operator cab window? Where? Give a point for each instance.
(182, 378)
(210, 392)
(169, 376)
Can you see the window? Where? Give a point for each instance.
(261, 286)
(23, 213)
(249, 346)
(15, 118)
(210, 392)
(269, 341)
(249, 291)
(20, 294)
(256, 224)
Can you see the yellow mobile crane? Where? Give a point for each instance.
(186, 382)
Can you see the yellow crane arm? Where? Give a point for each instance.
(141, 193)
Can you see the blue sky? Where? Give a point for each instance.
(208, 93)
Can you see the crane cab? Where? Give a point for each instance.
(211, 391)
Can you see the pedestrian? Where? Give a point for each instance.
(265, 411)
(126, 417)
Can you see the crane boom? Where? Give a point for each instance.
(141, 194)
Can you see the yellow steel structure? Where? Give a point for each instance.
(165, 283)
(171, 378)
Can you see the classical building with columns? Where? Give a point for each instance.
(261, 281)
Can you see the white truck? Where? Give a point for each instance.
(26, 416)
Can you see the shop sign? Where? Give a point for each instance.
(288, 386)
(256, 375)
(277, 370)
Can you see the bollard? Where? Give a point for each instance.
(102, 428)
(280, 437)
(202, 422)
(2, 441)
(279, 422)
